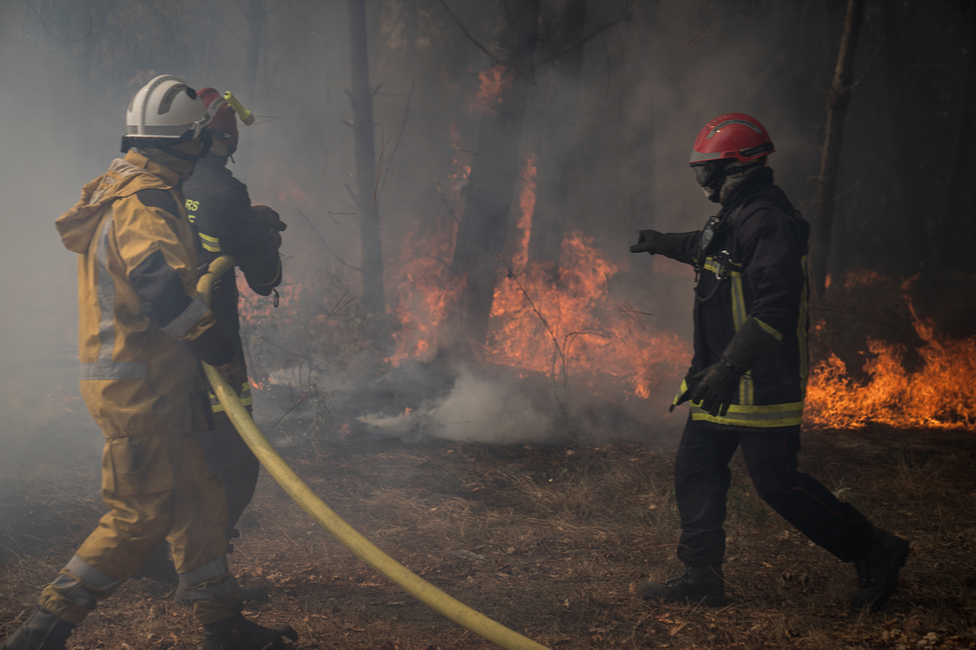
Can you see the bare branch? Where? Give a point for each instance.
(289, 411)
(396, 145)
(321, 239)
(481, 47)
(379, 166)
(599, 30)
(697, 38)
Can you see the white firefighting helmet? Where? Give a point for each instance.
(165, 109)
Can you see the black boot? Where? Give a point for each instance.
(877, 570)
(238, 633)
(42, 631)
(696, 584)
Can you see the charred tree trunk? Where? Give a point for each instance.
(361, 97)
(838, 100)
(557, 159)
(494, 171)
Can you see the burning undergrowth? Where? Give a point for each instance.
(878, 360)
(565, 359)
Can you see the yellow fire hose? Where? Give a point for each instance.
(330, 521)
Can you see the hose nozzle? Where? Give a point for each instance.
(246, 116)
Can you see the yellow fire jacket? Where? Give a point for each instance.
(137, 298)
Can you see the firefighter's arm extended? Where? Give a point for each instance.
(678, 246)
(160, 269)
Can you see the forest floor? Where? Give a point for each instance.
(547, 540)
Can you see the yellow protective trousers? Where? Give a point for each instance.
(158, 487)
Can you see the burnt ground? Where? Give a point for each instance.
(547, 540)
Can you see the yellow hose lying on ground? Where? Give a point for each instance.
(330, 521)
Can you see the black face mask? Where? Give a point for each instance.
(709, 172)
(711, 176)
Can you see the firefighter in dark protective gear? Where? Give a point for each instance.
(143, 329)
(748, 376)
(219, 208)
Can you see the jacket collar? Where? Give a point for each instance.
(215, 162)
(169, 176)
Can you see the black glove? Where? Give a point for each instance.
(676, 245)
(647, 242)
(269, 219)
(717, 384)
(234, 373)
(714, 388)
(212, 346)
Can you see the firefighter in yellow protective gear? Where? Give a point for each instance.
(142, 331)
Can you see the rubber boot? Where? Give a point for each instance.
(697, 584)
(42, 631)
(238, 633)
(877, 570)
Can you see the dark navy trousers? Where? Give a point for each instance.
(701, 483)
(229, 457)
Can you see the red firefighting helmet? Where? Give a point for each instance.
(223, 126)
(733, 135)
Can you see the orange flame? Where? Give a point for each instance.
(571, 327)
(941, 393)
(526, 195)
(492, 83)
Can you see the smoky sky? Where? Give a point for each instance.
(648, 84)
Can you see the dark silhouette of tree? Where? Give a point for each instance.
(838, 100)
(559, 136)
(361, 98)
(494, 171)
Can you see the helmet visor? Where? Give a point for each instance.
(707, 172)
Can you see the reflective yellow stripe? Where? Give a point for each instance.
(747, 389)
(713, 266)
(765, 416)
(211, 244)
(245, 398)
(769, 329)
(681, 392)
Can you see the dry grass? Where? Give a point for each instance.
(547, 540)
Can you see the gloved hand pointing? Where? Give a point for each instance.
(647, 242)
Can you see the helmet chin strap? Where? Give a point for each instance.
(168, 145)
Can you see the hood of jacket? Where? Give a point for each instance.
(125, 177)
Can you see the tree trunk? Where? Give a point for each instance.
(494, 171)
(361, 98)
(557, 159)
(838, 100)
